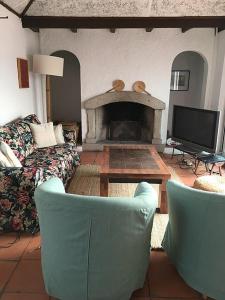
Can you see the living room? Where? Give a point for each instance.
(114, 52)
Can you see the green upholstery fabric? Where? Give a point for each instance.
(94, 248)
(195, 238)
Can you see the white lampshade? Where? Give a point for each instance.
(48, 65)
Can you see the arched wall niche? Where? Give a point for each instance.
(65, 92)
(196, 65)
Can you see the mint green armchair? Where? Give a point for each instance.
(195, 238)
(94, 248)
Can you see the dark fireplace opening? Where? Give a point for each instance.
(126, 121)
(124, 131)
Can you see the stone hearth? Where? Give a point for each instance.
(123, 117)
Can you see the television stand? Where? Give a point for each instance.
(209, 159)
(185, 149)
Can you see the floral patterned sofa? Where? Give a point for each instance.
(17, 185)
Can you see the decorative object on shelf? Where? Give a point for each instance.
(180, 80)
(23, 75)
(118, 86)
(139, 87)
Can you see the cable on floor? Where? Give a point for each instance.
(10, 244)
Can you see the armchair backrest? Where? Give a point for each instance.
(195, 237)
(94, 247)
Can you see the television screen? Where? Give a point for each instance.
(195, 126)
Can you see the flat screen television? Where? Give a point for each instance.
(195, 128)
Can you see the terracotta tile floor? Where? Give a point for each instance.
(20, 265)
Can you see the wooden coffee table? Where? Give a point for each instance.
(134, 164)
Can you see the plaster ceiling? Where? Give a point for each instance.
(18, 6)
(92, 7)
(139, 8)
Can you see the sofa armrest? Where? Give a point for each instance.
(19, 178)
(17, 186)
(70, 136)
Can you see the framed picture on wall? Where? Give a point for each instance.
(180, 80)
(23, 73)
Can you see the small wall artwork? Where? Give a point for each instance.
(180, 80)
(23, 74)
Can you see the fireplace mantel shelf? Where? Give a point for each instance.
(125, 96)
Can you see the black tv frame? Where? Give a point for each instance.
(192, 145)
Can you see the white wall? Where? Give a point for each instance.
(218, 95)
(193, 62)
(130, 55)
(16, 42)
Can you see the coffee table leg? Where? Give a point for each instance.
(104, 186)
(163, 204)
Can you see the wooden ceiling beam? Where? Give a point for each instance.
(74, 30)
(112, 30)
(10, 9)
(185, 29)
(27, 7)
(221, 29)
(149, 29)
(34, 29)
(122, 22)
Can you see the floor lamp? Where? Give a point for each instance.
(51, 66)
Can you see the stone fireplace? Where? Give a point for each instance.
(123, 117)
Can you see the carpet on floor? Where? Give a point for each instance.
(87, 182)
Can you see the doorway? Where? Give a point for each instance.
(188, 83)
(64, 93)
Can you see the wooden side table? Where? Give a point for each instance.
(71, 126)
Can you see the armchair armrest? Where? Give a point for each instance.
(54, 185)
(145, 189)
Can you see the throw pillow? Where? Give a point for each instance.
(4, 161)
(9, 154)
(59, 134)
(43, 134)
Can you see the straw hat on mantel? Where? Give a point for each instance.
(118, 86)
(139, 87)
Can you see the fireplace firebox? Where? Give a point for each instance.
(126, 121)
(124, 131)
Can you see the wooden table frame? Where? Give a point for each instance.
(156, 176)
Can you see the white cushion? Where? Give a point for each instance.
(59, 134)
(210, 183)
(4, 161)
(9, 154)
(43, 134)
